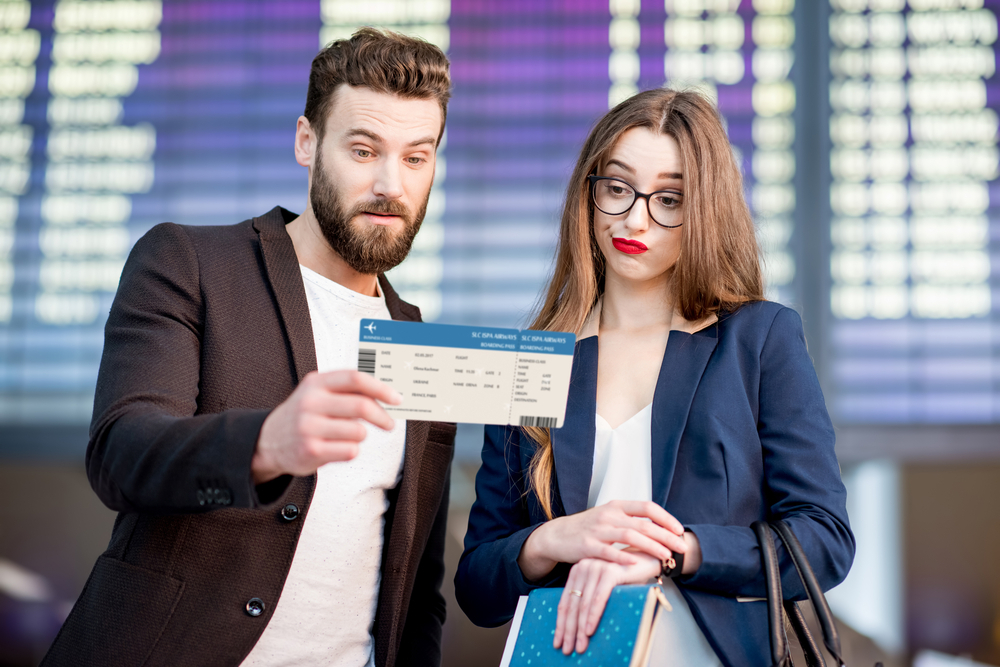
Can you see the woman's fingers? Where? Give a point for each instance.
(672, 541)
(605, 551)
(654, 512)
(567, 611)
(601, 594)
(594, 575)
(561, 618)
(638, 540)
(572, 612)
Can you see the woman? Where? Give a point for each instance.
(693, 411)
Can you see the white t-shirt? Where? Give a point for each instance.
(623, 470)
(327, 607)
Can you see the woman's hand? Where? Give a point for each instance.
(594, 579)
(592, 534)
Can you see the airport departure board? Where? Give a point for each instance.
(915, 235)
(119, 114)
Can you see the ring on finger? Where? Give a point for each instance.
(577, 593)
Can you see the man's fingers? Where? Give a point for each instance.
(323, 452)
(347, 406)
(355, 382)
(320, 429)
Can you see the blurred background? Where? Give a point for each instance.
(867, 131)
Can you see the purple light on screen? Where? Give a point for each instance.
(272, 10)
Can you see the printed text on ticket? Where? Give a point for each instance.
(477, 375)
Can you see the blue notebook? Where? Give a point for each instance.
(623, 637)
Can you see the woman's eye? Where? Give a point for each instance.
(667, 201)
(618, 190)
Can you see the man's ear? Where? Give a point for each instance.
(306, 143)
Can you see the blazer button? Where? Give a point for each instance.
(289, 512)
(255, 607)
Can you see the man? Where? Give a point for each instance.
(260, 522)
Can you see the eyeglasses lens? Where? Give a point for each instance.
(613, 197)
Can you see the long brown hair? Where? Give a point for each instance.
(718, 267)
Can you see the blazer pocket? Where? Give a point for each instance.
(119, 617)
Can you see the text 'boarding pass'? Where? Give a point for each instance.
(473, 375)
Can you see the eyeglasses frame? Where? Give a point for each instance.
(594, 179)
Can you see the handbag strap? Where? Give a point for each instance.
(829, 627)
(772, 577)
(814, 657)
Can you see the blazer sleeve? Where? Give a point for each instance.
(802, 483)
(489, 580)
(148, 451)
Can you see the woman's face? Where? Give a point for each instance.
(637, 248)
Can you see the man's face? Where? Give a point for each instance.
(372, 174)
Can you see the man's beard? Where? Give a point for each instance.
(373, 249)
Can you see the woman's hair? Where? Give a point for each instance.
(718, 266)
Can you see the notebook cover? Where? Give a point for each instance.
(612, 644)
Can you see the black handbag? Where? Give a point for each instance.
(778, 608)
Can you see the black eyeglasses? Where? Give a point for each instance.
(614, 196)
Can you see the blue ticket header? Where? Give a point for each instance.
(466, 337)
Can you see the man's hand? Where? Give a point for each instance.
(320, 423)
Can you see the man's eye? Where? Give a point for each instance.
(415, 160)
(363, 153)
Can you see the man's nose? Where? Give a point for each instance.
(388, 180)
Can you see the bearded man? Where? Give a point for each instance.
(260, 521)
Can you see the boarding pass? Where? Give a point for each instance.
(476, 375)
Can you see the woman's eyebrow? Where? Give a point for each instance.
(619, 163)
(662, 175)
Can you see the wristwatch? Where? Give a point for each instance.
(672, 567)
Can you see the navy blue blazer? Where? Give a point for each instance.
(740, 432)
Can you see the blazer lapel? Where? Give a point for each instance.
(283, 271)
(684, 363)
(407, 525)
(404, 525)
(573, 444)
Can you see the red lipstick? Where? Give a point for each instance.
(628, 246)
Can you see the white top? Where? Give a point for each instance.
(327, 607)
(623, 470)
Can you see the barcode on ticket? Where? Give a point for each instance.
(540, 422)
(366, 361)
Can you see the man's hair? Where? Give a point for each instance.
(386, 62)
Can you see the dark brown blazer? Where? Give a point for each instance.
(208, 332)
